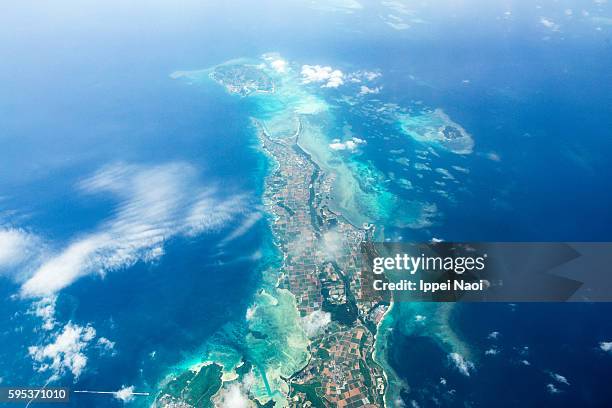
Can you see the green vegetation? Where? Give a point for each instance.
(365, 374)
(345, 313)
(323, 354)
(242, 79)
(269, 404)
(311, 394)
(196, 389)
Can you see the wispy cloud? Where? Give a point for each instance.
(550, 24)
(248, 223)
(16, 246)
(559, 378)
(346, 6)
(552, 389)
(155, 203)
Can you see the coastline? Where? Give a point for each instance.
(316, 179)
(286, 352)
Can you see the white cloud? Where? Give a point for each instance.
(210, 212)
(106, 344)
(365, 90)
(60, 271)
(337, 146)
(249, 380)
(491, 352)
(493, 156)
(552, 389)
(494, 335)
(16, 246)
(125, 394)
(525, 362)
(559, 378)
(331, 78)
(549, 23)
(350, 145)
(360, 76)
(233, 397)
(371, 75)
(243, 228)
(155, 203)
(464, 366)
(279, 65)
(45, 309)
(606, 346)
(276, 62)
(314, 323)
(66, 352)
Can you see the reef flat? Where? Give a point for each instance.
(436, 127)
(310, 337)
(324, 280)
(310, 334)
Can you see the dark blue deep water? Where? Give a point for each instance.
(553, 338)
(544, 108)
(84, 86)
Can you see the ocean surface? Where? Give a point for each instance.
(516, 351)
(84, 87)
(89, 87)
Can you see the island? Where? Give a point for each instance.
(317, 284)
